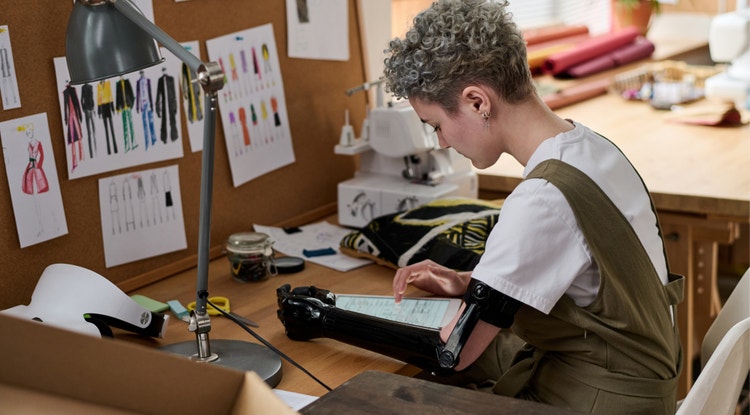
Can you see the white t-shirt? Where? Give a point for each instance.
(536, 251)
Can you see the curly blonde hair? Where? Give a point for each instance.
(456, 43)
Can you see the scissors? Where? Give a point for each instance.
(222, 303)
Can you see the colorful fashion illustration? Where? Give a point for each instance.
(72, 118)
(145, 106)
(124, 105)
(32, 179)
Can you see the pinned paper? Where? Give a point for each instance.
(32, 179)
(8, 81)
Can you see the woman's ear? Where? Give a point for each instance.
(476, 97)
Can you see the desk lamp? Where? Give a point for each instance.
(108, 38)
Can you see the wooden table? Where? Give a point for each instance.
(388, 394)
(699, 178)
(331, 361)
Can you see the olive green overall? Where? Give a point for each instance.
(622, 353)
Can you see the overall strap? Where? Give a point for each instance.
(603, 220)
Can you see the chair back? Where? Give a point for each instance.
(717, 390)
(734, 310)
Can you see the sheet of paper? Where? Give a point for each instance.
(426, 312)
(295, 400)
(253, 105)
(32, 179)
(319, 235)
(318, 29)
(141, 214)
(8, 80)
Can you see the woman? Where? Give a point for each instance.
(463, 68)
(575, 265)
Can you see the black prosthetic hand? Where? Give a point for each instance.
(310, 312)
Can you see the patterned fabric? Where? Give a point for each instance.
(451, 232)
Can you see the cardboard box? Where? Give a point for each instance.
(49, 370)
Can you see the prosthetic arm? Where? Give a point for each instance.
(309, 313)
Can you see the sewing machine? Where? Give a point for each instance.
(401, 166)
(729, 41)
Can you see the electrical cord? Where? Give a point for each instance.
(267, 344)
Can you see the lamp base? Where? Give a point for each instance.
(236, 354)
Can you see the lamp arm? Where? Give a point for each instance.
(207, 174)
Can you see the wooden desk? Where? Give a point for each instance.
(699, 178)
(331, 361)
(385, 393)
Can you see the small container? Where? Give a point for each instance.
(250, 256)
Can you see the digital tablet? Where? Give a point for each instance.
(432, 312)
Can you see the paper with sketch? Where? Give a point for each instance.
(32, 179)
(318, 29)
(122, 121)
(141, 214)
(8, 80)
(319, 235)
(252, 103)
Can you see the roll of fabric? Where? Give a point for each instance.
(538, 53)
(640, 48)
(551, 33)
(587, 50)
(577, 93)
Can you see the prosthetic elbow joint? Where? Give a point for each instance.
(482, 302)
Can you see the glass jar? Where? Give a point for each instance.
(250, 256)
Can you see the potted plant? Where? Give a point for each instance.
(633, 13)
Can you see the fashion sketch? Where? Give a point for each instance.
(125, 117)
(88, 104)
(8, 82)
(257, 122)
(72, 118)
(145, 105)
(32, 179)
(124, 100)
(192, 94)
(166, 106)
(141, 214)
(105, 109)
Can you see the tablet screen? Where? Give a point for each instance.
(427, 312)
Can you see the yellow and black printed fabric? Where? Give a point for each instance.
(451, 232)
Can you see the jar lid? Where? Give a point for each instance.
(244, 242)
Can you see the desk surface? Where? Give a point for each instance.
(385, 393)
(687, 168)
(330, 361)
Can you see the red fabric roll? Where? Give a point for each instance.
(640, 48)
(592, 48)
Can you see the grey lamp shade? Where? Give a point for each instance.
(102, 43)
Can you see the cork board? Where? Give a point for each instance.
(316, 104)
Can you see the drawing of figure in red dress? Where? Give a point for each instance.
(34, 178)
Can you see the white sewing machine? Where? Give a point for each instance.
(401, 167)
(729, 41)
